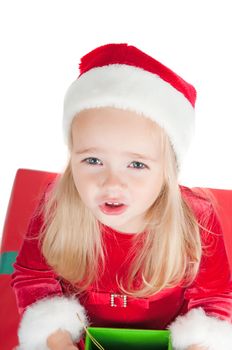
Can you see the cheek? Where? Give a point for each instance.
(85, 184)
(149, 188)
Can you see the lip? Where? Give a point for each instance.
(113, 210)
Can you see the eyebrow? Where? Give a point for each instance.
(95, 149)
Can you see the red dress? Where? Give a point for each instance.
(208, 299)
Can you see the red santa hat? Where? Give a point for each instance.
(122, 76)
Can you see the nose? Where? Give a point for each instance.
(113, 180)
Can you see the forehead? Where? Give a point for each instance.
(113, 128)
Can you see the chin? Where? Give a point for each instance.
(112, 222)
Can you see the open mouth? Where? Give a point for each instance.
(114, 204)
(113, 208)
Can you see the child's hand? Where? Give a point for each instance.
(196, 347)
(60, 340)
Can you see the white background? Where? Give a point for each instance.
(42, 42)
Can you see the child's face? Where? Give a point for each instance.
(110, 173)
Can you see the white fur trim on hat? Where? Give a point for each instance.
(47, 316)
(131, 88)
(197, 328)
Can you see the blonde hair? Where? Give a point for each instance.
(169, 252)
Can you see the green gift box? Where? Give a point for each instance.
(130, 339)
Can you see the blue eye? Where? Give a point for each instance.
(90, 160)
(139, 165)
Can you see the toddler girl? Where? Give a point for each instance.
(116, 241)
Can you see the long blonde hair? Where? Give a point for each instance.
(171, 251)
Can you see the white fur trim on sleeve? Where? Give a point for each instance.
(197, 328)
(48, 315)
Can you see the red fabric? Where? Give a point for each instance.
(211, 290)
(33, 278)
(130, 55)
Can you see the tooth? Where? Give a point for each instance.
(111, 203)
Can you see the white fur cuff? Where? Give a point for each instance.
(45, 317)
(197, 328)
